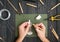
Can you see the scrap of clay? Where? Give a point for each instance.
(38, 17)
(30, 32)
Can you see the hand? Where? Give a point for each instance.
(23, 30)
(40, 29)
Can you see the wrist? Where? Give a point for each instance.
(19, 39)
(45, 40)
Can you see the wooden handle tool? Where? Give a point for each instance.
(55, 34)
(20, 7)
(13, 6)
(31, 5)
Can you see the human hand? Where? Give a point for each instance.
(40, 29)
(23, 30)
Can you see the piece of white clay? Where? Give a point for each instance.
(30, 32)
(38, 17)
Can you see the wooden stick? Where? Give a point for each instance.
(21, 7)
(56, 16)
(55, 6)
(41, 2)
(12, 6)
(1, 3)
(55, 34)
(31, 5)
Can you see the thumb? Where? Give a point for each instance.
(28, 27)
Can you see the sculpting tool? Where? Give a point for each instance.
(13, 6)
(30, 32)
(21, 7)
(1, 3)
(41, 2)
(54, 32)
(31, 5)
(52, 18)
(54, 7)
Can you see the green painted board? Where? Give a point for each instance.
(25, 17)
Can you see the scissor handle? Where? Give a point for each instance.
(1, 11)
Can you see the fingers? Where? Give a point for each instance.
(42, 25)
(37, 30)
(22, 26)
(25, 26)
(39, 26)
(28, 27)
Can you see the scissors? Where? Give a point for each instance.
(8, 16)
